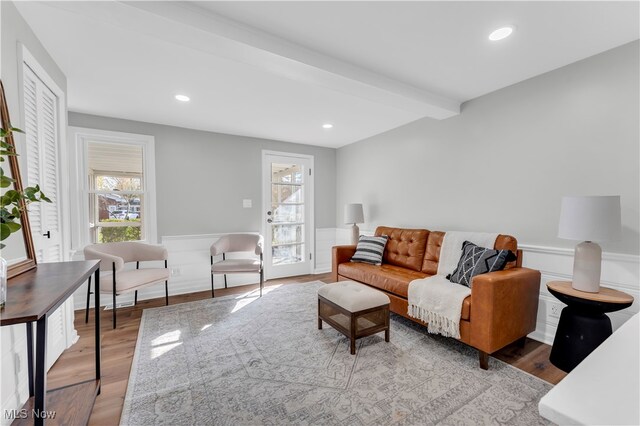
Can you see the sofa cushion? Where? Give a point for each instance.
(477, 260)
(390, 278)
(370, 249)
(405, 248)
(434, 242)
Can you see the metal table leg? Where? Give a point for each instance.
(30, 357)
(97, 325)
(40, 404)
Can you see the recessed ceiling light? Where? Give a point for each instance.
(500, 33)
(183, 98)
(327, 126)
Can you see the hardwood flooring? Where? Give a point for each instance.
(118, 346)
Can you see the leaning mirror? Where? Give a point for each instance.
(18, 250)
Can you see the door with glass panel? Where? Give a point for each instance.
(287, 218)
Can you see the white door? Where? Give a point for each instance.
(42, 136)
(287, 214)
(42, 141)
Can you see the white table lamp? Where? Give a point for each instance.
(353, 214)
(589, 218)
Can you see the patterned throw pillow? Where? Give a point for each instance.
(370, 249)
(478, 260)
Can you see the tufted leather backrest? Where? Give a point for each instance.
(405, 247)
(432, 255)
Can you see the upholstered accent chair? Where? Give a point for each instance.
(235, 243)
(114, 256)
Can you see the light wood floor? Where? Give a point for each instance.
(118, 346)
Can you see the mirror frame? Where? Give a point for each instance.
(30, 262)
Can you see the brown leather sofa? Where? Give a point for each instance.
(501, 309)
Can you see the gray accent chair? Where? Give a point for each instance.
(114, 256)
(234, 243)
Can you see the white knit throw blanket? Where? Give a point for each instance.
(437, 301)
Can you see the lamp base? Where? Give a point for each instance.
(355, 234)
(586, 267)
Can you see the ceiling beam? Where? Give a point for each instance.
(196, 28)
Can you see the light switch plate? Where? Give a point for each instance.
(247, 203)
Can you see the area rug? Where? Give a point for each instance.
(244, 360)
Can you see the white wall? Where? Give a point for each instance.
(505, 162)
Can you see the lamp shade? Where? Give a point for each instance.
(590, 218)
(353, 213)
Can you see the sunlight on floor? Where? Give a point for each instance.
(161, 350)
(171, 336)
(252, 296)
(166, 342)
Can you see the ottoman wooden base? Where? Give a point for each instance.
(354, 325)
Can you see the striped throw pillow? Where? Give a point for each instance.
(370, 249)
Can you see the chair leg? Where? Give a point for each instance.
(261, 280)
(135, 298)
(212, 292)
(114, 295)
(225, 275)
(114, 310)
(86, 315)
(166, 287)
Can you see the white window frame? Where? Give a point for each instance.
(79, 137)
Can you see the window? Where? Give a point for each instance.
(116, 192)
(118, 181)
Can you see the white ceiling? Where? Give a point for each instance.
(279, 70)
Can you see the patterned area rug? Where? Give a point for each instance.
(249, 360)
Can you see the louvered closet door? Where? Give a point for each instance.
(42, 139)
(41, 118)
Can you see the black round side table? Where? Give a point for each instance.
(583, 325)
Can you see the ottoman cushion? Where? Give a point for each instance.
(352, 296)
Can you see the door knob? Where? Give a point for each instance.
(48, 234)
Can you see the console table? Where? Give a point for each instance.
(583, 325)
(31, 297)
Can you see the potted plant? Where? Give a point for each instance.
(10, 203)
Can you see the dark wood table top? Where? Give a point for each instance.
(39, 291)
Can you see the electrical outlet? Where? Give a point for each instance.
(175, 272)
(555, 310)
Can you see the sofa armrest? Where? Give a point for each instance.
(504, 307)
(340, 254)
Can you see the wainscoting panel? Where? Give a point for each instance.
(325, 239)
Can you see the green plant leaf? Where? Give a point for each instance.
(13, 226)
(5, 182)
(5, 231)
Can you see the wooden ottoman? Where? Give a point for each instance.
(353, 309)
